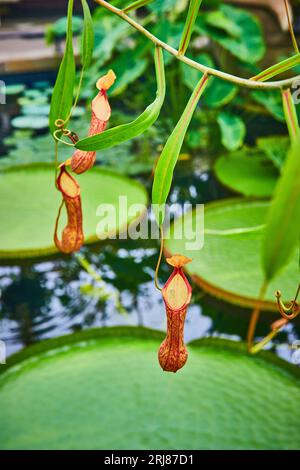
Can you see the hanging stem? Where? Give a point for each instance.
(259, 346)
(291, 27)
(279, 324)
(223, 75)
(297, 293)
(255, 316)
(55, 159)
(159, 258)
(76, 97)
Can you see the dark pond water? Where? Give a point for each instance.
(54, 296)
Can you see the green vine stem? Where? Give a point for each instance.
(287, 314)
(243, 82)
(159, 258)
(255, 316)
(291, 29)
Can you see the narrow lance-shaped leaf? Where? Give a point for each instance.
(119, 134)
(189, 25)
(290, 114)
(136, 5)
(276, 69)
(62, 96)
(283, 221)
(87, 36)
(169, 156)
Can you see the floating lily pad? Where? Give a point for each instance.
(251, 175)
(30, 122)
(229, 264)
(29, 204)
(14, 89)
(104, 389)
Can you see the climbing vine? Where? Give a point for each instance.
(282, 228)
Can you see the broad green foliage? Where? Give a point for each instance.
(275, 148)
(219, 93)
(58, 29)
(109, 31)
(247, 172)
(164, 6)
(236, 30)
(229, 265)
(233, 130)
(190, 76)
(169, 32)
(168, 158)
(29, 204)
(271, 101)
(119, 134)
(62, 97)
(94, 371)
(127, 69)
(283, 222)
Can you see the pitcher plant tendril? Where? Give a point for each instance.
(177, 292)
(72, 235)
(288, 313)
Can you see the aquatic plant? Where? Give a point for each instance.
(278, 245)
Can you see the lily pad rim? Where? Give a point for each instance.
(52, 250)
(141, 333)
(217, 292)
(229, 187)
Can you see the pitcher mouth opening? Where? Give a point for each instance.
(177, 291)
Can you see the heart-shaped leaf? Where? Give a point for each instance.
(233, 130)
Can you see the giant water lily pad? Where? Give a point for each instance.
(249, 174)
(29, 205)
(229, 264)
(104, 389)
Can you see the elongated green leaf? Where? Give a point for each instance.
(168, 158)
(136, 5)
(290, 114)
(283, 221)
(88, 36)
(276, 69)
(62, 97)
(189, 25)
(120, 134)
(233, 130)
